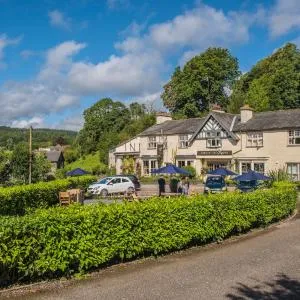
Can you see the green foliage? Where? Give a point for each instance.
(20, 165)
(201, 83)
(272, 84)
(89, 162)
(191, 170)
(17, 199)
(107, 123)
(278, 175)
(128, 165)
(63, 241)
(9, 137)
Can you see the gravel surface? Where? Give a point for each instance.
(259, 265)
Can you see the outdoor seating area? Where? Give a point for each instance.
(71, 196)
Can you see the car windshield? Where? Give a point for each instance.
(214, 180)
(104, 180)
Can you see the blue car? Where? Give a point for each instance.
(215, 184)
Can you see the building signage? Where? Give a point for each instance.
(215, 152)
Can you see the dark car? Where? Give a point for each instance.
(215, 184)
(134, 179)
(247, 186)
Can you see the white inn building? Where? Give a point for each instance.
(258, 141)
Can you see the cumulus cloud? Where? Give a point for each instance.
(73, 122)
(284, 17)
(59, 20)
(34, 122)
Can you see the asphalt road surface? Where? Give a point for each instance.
(258, 266)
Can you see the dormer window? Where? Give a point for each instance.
(183, 141)
(294, 137)
(152, 142)
(255, 139)
(213, 139)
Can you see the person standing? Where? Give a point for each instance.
(161, 185)
(186, 186)
(180, 186)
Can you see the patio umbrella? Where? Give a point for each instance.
(251, 175)
(170, 169)
(77, 172)
(222, 172)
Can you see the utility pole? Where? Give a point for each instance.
(30, 154)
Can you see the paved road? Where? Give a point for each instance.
(258, 266)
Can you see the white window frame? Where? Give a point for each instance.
(152, 143)
(255, 139)
(255, 165)
(293, 169)
(294, 137)
(183, 141)
(213, 139)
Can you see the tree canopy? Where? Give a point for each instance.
(108, 123)
(202, 82)
(272, 84)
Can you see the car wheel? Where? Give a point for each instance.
(104, 193)
(130, 190)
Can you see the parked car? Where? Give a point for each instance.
(214, 184)
(134, 179)
(112, 185)
(247, 186)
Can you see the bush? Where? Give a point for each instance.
(191, 170)
(62, 241)
(17, 199)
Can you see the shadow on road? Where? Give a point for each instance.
(283, 287)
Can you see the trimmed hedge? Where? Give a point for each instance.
(16, 200)
(62, 241)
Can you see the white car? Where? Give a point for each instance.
(111, 185)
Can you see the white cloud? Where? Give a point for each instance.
(284, 17)
(59, 20)
(34, 122)
(59, 59)
(4, 42)
(296, 41)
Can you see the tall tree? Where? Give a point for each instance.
(201, 83)
(272, 84)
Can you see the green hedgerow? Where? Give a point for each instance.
(16, 200)
(61, 241)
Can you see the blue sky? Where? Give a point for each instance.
(59, 57)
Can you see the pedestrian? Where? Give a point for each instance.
(161, 185)
(180, 186)
(186, 186)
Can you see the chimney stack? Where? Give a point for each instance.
(246, 113)
(162, 117)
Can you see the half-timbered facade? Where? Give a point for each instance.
(258, 141)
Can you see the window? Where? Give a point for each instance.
(125, 180)
(152, 142)
(183, 141)
(246, 166)
(116, 180)
(211, 166)
(184, 163)
(293, 169)
(152, 165)
(213, 139)
(294, 137)
(255, 139)
(146, 167)
(259, 167)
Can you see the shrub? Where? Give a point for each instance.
(191, 170)
(62, 241)
(17, 199)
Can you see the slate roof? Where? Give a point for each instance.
(53, 156)
(270, 120)
(185, 126)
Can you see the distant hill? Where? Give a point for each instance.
(41, 137)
